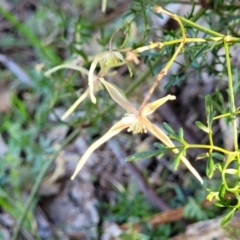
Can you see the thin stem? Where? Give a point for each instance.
(188, 22)
(231, 95)
(111, 39)
(201, 28)
(38, 181)
(230, 159)
(232, 101)
(160, 76)
(146, 26)
(225, 115)
(175, 41)
(159, 9)
(222, 116)
(219, 149)
(220, 6)
(127, 34)
(165, 70)
(210, 140)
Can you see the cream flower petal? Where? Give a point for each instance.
(118, 55)
(157, 132)
(84, 95)
(151, 107)
(114, 130)
(74, 106)
(98, 58)
(118, 97)
(106, 60)
(69, 66)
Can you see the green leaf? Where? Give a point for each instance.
(202, 156)
(195, 64)
(218, 166)
(209, 110)
(159, 146)
(210, 167)
(228, 217)
(180, 133)
(199, 53)
(231, 171)
(142, 155)
(168, 128)
(215, 4)
(219, 204)
(211, 195)
(219, 156)
(177, 159)
(222, 192)
(202, 127)
(160, 155)
(193, 210)
(208, 105)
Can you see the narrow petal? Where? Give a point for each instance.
(74, 106)
(91, 75)
(114, 130)
(190, 167)
(118, 55)
(77, 68)
(151, 107)
(69, 66)
(157, 132)
(118, 97)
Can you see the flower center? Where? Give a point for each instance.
(135, 124)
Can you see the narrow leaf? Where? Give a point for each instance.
(168, 128)
(219, 204)
(210, 167)
(209, 110)
(202, 127)
(222, 192)
(228, 217)
(199, 53)
(180, 133)
(142, 155)
(160, 155)
(159, 146)
(211, 195)
(231, 171)
(177, 159)
(219, 156)
(218, 166)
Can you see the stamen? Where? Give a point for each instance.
(136, 126)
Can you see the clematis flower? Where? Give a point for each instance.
(106, 60)
(136, 122)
